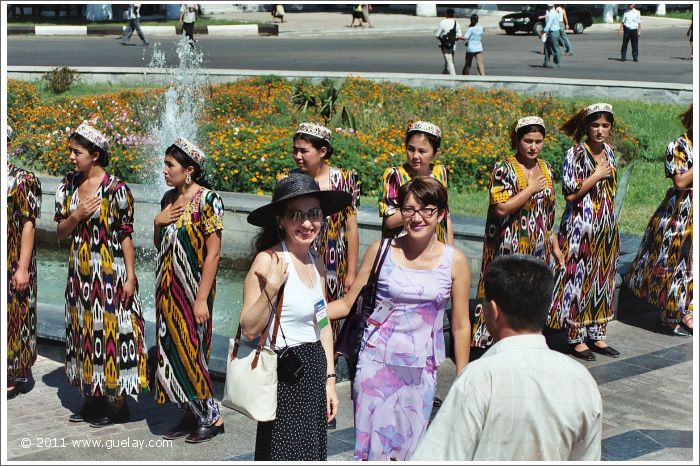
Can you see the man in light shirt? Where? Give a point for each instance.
(449, 27)
(630, 30)
(551, 45)
(520, 401)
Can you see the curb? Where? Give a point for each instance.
(232, 30)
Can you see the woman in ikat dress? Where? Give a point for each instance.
(588, 235)
(422, 146)
(520, 218)
(662, 272)
(105, 345)
(23, 208)
(401, 349)
(187, 233)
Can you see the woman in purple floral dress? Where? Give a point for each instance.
(403, 345)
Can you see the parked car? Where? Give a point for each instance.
(531, 20)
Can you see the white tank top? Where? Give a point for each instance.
(298, 319)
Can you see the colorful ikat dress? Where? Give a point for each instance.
(662, 272)
(525, 231)
(184, 346)
(589, 240)
(394, 178)
(105, 346)
(23, 202)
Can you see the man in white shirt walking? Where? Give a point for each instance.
(630, 30)
(133, 14)
(520, 401)
(448, 33)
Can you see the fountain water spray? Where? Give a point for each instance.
(181, 104)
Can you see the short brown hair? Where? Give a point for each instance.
(427, 190)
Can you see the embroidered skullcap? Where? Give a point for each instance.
(425, 127)
(9, 132)
(93, 135)
(529, 120)
(188, 147)
(315, 130)
(599, 107)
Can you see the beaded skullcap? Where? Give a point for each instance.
(188, 147)
(93, 135)
(313, 129)
(426, 127)
(529, 120)
(599, 107)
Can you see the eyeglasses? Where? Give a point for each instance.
(314, 215)
(425, 212)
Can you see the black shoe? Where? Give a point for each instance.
(681, 323)
(586, 355)
(331, 425)
(112, 417)
(635, 60)
(437, 402)
(90, 411)
(185, 427)
(20, 387)
(204, 434)
(607, 351)
(676, 330)
(146, 44)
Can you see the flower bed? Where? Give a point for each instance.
(247, 126)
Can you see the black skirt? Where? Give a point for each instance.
(299, 432)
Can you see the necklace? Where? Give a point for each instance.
(403, 255)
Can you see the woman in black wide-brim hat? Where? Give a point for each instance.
(290, 224)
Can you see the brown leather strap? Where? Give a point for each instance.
(263, 336)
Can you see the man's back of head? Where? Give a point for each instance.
(520, 287)
(450, 13)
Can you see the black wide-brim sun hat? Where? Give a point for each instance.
(293, 186)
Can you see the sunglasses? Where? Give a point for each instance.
(314, 215)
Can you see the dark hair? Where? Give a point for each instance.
(687, 119)
(522, 286)
(432, 139)
(91, 147)
(576, 126)
(316, 142)
(200, 176)
(450, 13)
(474, 19)
(516, 136)
(427, 190)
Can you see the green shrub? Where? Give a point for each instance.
(60, 79)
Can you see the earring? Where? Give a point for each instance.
(188, 180)
(280, 232)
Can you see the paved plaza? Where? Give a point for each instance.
(647, 398)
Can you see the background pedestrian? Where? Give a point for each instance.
(475, 49)
(188, 16)
(630, 30)
(448, 33)
(133, 14)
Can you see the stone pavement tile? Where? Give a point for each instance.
(666, 455)
(629, 445)
(671, 438)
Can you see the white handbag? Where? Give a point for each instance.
(251, 373)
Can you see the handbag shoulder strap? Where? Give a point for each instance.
(384, 248)
(263, 335)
